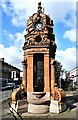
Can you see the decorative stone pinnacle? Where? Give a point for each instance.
(39, 3)
(39, 7)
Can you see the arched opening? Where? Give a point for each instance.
(38, 71)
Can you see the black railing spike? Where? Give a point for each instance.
(15, 112)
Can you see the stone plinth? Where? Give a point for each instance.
(38, 103)
(56, 107)
(32, 108)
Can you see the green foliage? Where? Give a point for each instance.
(67, 85)
(70, 86)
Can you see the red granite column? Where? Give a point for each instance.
(24, 79)
(46, 74)
(30, 73)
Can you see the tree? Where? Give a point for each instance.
(58, 68)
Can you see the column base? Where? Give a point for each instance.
(39, 109)
(55, 107)
(38, 102)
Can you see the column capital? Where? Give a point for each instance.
(24, 62)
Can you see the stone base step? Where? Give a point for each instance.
(39, 109)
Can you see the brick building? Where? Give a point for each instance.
(8, 73)
(74, 75)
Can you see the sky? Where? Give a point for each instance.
(13, 18)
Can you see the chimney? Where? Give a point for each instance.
(2, 59)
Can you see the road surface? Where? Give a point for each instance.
(71, 112)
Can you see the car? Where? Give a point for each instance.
(9, 86)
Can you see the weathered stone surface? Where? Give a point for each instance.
(38, 105)
(31, 97)
(56, 107)
(32, 108)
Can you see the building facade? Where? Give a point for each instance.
(74, 75)
(8, 73)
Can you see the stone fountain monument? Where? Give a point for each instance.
(39, 88)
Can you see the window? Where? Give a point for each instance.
(13, 74)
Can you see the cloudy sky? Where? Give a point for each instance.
(13, 17)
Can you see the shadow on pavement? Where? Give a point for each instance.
(71, 101)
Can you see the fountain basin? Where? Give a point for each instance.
(39, 94)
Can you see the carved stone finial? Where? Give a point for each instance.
(39, 3)
(39, 7)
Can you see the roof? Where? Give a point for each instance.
(2, 60)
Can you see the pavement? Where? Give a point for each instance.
(4, 95)
(71, 112)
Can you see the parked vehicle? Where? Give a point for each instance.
(9, 86)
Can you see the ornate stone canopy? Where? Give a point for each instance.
(39, 31)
